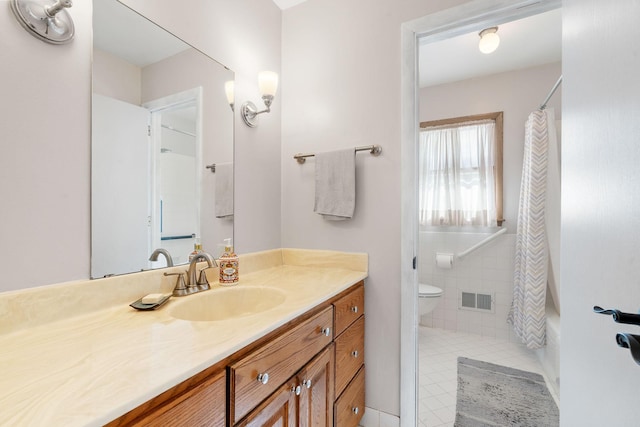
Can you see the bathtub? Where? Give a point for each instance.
(549, 356)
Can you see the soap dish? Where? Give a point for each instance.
(139, 305)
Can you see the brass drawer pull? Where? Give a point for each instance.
(354, 353)
(263, 378)
(326, 332)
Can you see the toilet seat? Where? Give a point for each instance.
(428, 291)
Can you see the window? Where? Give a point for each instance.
(460, 171)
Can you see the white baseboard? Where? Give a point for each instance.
(374, 418)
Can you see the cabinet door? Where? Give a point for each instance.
(316, 396)
(202, 406)
(279, 410)
(261, 372)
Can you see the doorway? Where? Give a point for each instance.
(175, 171)
(446, 24)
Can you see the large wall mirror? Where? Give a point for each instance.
(162, 145)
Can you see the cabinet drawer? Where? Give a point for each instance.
(350, 406)
(279, 360)
(349, 354)
(348, 309)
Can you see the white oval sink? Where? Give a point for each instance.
(226, 303)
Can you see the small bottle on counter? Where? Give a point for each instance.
(228, 263)
(197, 249)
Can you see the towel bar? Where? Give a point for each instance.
(373, 149)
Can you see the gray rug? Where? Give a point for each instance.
(494, 395)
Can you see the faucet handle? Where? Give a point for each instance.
(181, 287)
(202, 280)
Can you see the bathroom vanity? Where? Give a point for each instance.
(310, 370)
(299, 362)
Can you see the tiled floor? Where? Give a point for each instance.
(439, 351)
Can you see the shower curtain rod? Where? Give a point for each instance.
(553, 90)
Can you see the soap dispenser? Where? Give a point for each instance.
(228, 265)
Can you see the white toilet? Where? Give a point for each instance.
(428, 298)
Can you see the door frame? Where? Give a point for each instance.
(448, 23)
(190, 97)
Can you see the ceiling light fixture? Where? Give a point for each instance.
(489, 40)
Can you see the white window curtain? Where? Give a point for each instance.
(457, 175)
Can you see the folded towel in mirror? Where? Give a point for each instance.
(224, 190)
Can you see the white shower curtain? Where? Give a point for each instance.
(527, 314)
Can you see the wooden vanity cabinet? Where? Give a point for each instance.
(194, 402)
(307, 373)
(349, 349)
(280, 409)
(349, 407)
(204, 405)
(317, 394)
(335, 396)
(305, 400)
(257, 375)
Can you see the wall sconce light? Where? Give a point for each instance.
(489, 40)
(229, 90)
(46, 20)
(268, 83)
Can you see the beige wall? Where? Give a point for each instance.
(44, 165)
(116, 78)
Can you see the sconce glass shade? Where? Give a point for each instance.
(229, 90)
(268, 83)
(489, 40)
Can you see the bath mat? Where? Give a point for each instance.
(494, 395)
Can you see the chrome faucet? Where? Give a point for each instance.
(160, 251)
(191, 273)
(191, 284)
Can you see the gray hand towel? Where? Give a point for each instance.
(336, 184)
(224, 190)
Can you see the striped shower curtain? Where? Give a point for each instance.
(527, 314)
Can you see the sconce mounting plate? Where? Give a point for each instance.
(46, 20)
(249, 114)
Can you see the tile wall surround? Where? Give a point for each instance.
(486, 270)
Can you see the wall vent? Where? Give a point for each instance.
(475, 301)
